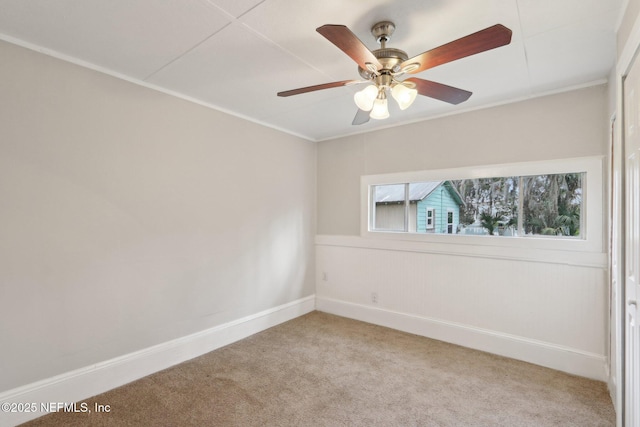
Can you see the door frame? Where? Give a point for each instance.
(617, 385)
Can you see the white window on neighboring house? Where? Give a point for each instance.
(431, 218)
(450, 222)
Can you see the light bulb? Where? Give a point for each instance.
(380, 109)
(364, 98)
(403, 95)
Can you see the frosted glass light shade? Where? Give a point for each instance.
(403, 95)
(380, 109)
(364, 98)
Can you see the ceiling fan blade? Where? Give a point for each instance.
(361, 117)
(347, 42)
(487, 39)
(445, 93)
(317, 87)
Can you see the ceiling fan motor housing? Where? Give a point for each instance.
(389, 58)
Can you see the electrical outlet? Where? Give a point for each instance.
(325, 277)
(374, 297)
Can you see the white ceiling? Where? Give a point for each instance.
(235, 55)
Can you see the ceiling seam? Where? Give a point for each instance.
(283, 49)
(524, 46)
(228, 15)
(195, 46)
(249, 10)
(232, 19)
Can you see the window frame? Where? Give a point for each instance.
(432, 225)
(592, 215)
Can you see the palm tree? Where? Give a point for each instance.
(490, 222)
(568, 220)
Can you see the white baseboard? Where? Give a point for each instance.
(553, 356)
(33, 400)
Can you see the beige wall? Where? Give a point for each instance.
(570, 124)
(129, 217)
(626, 25)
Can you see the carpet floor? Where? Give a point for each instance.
(325, 370)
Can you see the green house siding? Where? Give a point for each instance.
(442, 201)
(437, 195)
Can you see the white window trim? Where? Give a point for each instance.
(593, 202)
(431, 226)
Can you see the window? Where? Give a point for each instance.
(431, 217)
(533, 205)
(543, 200)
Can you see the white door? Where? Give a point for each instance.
(632, 244)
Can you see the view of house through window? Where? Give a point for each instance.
(535, 205)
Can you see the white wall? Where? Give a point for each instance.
(536, 306)
(130, 218)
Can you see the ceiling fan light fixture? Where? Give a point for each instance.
(364, 99)
(380, 108)
(403, 95)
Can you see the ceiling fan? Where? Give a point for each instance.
(384, 66)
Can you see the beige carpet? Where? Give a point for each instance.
(324, 370)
